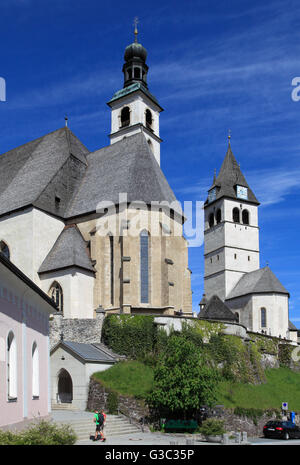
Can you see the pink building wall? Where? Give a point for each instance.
(26, 313)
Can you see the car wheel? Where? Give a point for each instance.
(286, 436)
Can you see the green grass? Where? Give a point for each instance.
(283, 385)
(128, 378)
(133, 378)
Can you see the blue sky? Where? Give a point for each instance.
(214, 65)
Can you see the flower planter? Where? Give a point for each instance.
(216, 438)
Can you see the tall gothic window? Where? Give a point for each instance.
(211, 220)
(236, 215)
(35, 371)
(56, 295)
(111, 248)
(125, 117)
(144, 266)
(4, 249)
(218, 216)
(11, 367)
(263, 317)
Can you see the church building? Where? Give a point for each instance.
(99, 229)
(234, 284)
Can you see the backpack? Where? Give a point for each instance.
(100, 419)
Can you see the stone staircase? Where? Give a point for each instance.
(84, 426)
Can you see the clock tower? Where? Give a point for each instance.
(231, 232)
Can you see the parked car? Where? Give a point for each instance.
(281, 430)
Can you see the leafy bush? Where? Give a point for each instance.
(182, 380)
(212, 427)
(42, 433)
(131, 335)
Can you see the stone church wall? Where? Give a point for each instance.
(80, 330)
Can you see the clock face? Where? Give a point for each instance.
(242, 192)
(212, 195)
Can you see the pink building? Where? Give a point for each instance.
(24, 348)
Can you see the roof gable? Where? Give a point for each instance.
(259, 281)
(127, 166)
(216, 309)
(29, 169)
(69, 250)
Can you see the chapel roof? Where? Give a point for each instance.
(259, 281)
(216, 309)
(69, 250)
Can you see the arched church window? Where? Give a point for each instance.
(211, 220)
(144, 266)
(236, 215)
(218, 216)
(237, 317)
(263, 317)
(125, 116)
(129, 73)
(245, 217)
(4, 249)
(35, 371)
(149, 119)
(11, 366)
(56, 295)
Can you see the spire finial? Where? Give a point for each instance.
(66, 121)
(229, 135)
(135, 22)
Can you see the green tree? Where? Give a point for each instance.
(182, 380)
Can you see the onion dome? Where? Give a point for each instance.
(134, 51)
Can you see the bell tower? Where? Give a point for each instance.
(231, 233)
(133, 108)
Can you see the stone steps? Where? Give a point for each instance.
(115, 425)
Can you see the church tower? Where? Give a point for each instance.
(134, 109)
(231, 232)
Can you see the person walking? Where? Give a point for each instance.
(97, 420)
(103, 424)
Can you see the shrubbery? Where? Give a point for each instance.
(212, 427)
(41, 433)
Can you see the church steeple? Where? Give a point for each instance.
(135, 68)
(134, 108)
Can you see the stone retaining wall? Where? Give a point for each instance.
(80, 330)
(129, 406)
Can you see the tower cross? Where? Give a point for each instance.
(135, 23)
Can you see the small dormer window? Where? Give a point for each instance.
(125, 117)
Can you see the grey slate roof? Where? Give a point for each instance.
(259, 281)
(30, 172)
(69, 250)
(89, 352)
(127, 166)
(229, 176)
(57, 165)
(216, 309)
(292, 327)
